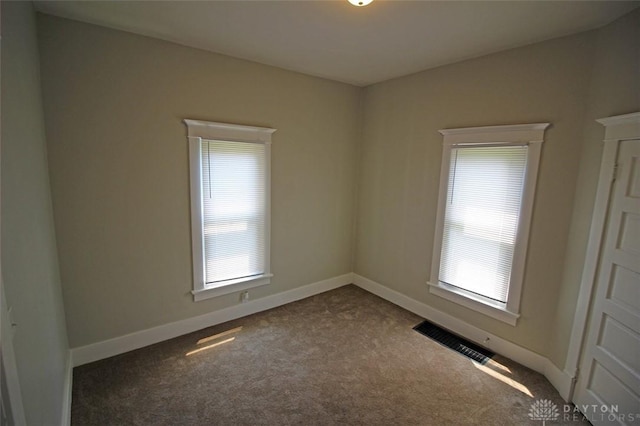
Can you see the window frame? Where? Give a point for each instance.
(531, 135)
(197, 130)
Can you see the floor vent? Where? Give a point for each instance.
(458, 344)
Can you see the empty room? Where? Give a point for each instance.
(320, 212)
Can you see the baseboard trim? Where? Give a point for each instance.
(108, 348)
(561, 380)
(501, 346)
(67, 391)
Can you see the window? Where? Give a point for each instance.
(230, 182)
(487, 184)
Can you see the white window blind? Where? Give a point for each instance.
(484, 197)
(233, 204)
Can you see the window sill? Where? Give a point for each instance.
(477, 303)
(231, 286)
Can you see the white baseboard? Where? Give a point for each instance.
(498, 345)
(561, 380)
(108, 348)
(68, 388)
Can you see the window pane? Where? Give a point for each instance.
(481, 218)
(233, 195)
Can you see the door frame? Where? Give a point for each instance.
(10, 368)
(12, 400)
(617, 129)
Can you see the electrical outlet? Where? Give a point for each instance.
(244, 297)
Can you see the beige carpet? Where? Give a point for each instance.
(341, 357)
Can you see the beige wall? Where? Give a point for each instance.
(614, 89)
(118, 157)
(29, 259)
(119, 171)
(401, 155)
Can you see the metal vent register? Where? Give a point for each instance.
(451, 341)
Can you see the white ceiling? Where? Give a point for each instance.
(335, 40)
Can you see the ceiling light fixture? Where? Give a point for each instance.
(360, 3)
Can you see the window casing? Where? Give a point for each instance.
(487, 186)
(230, 207)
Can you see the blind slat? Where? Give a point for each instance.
(481, 218)
(233, 199)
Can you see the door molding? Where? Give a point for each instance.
(617, 129)
(10, 367)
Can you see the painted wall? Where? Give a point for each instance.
(614, 89)
(401, 155)
(29, 258)
(114, 104)
(118, 158)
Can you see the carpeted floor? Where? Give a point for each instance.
(341, 357)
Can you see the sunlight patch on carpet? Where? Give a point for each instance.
(210, 346)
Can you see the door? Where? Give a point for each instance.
(608, 387)
(11, 408)
(6, 418)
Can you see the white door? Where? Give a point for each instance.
(11, 408)
(608, 387)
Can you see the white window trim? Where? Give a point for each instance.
(198, 130)
(531, 135)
